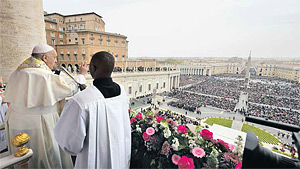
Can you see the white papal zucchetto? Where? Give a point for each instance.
(42, 48)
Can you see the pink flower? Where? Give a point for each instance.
(238, 166)
(206, 134)
(198, 152)
(139, 116)
(226, 145)
(175, 158)
(185, 162)
(132, 120)
(150, 131)
(181, 129)
(158, 119)
(146, 137)
(231, 146)
(128, 110)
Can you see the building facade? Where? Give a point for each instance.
(208, 67)
(143, 83)
(77, 37)
(279, 69)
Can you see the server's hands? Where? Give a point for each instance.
(82, 86)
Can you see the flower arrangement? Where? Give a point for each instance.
(161, 141)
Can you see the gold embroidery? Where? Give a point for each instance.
(34, 63)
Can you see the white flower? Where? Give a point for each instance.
(175, 144)
(167, 133)
(155, 127)
(138, 129)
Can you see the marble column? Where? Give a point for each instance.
(22, 27)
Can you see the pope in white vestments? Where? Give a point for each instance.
(94, 124)
(34, 92)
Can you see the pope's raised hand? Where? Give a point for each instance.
(83, 68)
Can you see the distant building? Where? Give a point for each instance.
(77, 37)
(210, 67)
(285, 70)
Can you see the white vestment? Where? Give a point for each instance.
(96, 129)
(34, 96)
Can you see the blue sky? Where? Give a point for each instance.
(198, 28)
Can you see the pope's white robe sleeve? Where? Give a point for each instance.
(70, 129)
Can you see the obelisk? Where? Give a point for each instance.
(22, 27)
(247, 76)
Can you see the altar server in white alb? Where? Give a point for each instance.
(95, 124)
(34, 92)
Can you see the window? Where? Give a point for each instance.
(83, 56)
(75, 27)
(61, 36)
(164, 85)
(62, 56)
(157, 85)
(96, 28)
(100, 41)
(60, 29)
(123, 58)
(141, 88)
(52, 34)
(149, 87)
(116, 57)
(129, 90)
(51, 26)
(116, 43)
(82, 40)
(107, 43)
(53, 41)
(54, 20)
(81, 26)
(80, 19)
(92, 41)
(75, 57)
(61, 42)
(69, 57)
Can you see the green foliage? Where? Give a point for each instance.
(262, 135)
(219, 121)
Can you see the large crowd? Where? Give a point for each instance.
(192, 101)
(270, 91)
(268, 97)
(272, 113)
